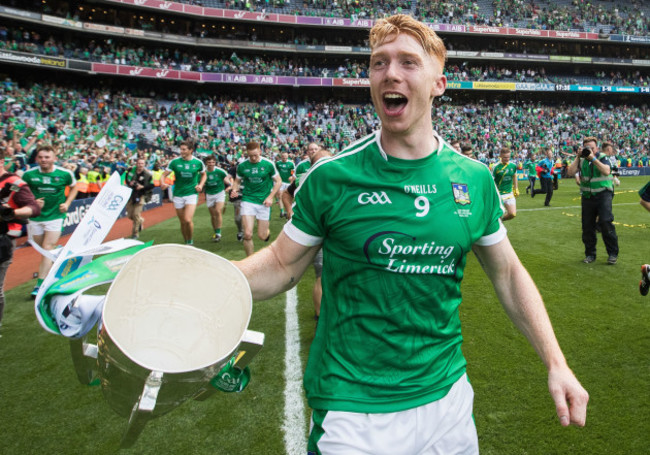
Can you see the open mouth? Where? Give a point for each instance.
(394, 103)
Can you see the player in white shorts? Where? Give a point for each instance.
(217, 183)
(261, 181)
(505, 178)
(48, 183)
(190, 178)
(396, 214)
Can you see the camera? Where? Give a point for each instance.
(584, 153)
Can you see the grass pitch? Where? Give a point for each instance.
(599, 317)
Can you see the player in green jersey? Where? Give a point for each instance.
(48, 182)
(305, 164)
(505, 177)
(260, 181)
(530, 166)
(190, 178)
(396, 214)
(217, 184)
(286, 169)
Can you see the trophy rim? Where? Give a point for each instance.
(214, 362)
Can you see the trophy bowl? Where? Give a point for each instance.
(172, 318)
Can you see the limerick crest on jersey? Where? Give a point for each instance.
(461, 194)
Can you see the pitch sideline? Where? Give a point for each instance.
(294, 412)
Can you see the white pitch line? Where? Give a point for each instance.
(294, 412)
(552, 207)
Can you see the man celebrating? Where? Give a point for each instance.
(48, 183)
(261, 181)
(396, 214)
(190, 178)
(215, 194)
(140, 181)
(505, 177)
(597, 188)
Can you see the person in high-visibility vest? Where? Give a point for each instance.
(94, 178)
(597, 187)
(82, 183)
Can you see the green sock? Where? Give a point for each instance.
(217, 231)
(189, 242)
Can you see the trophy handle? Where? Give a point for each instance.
(84, 359)
(142, 409)
(251, 343)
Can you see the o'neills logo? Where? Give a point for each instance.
(399, 252)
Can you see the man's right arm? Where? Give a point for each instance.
(277, 268)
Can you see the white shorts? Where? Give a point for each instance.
(444, 426)
(284, 186)
(39, 227)
(212, 199)
(508, 199)
(259, 211)
(181, 201)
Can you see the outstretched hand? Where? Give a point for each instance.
(569, 396)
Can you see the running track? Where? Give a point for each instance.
(26, 259)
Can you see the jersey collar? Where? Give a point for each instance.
(384, 155)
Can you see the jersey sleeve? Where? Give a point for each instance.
(72, 181)
(307, 226)
(494, 231)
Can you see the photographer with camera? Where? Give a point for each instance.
(140, 180)
(597, 188)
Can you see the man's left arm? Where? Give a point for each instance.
(277, 182)
(524, 306)
(204, 177)
(63, 208)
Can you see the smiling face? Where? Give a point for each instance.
(186, 152)
(404, 79)
(45, 159)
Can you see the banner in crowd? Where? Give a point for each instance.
(79, 207)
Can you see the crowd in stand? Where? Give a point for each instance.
(108, 51)
(622, 17)
(100, 131)
(627, 17)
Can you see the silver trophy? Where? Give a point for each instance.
(173, 318)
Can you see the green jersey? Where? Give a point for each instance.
(531, 168)
(395, 235)
(214, 183)
(504, 174)
(187, 174)
(285, 169)
(51, 187)
(257, 180)
(301, 170)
